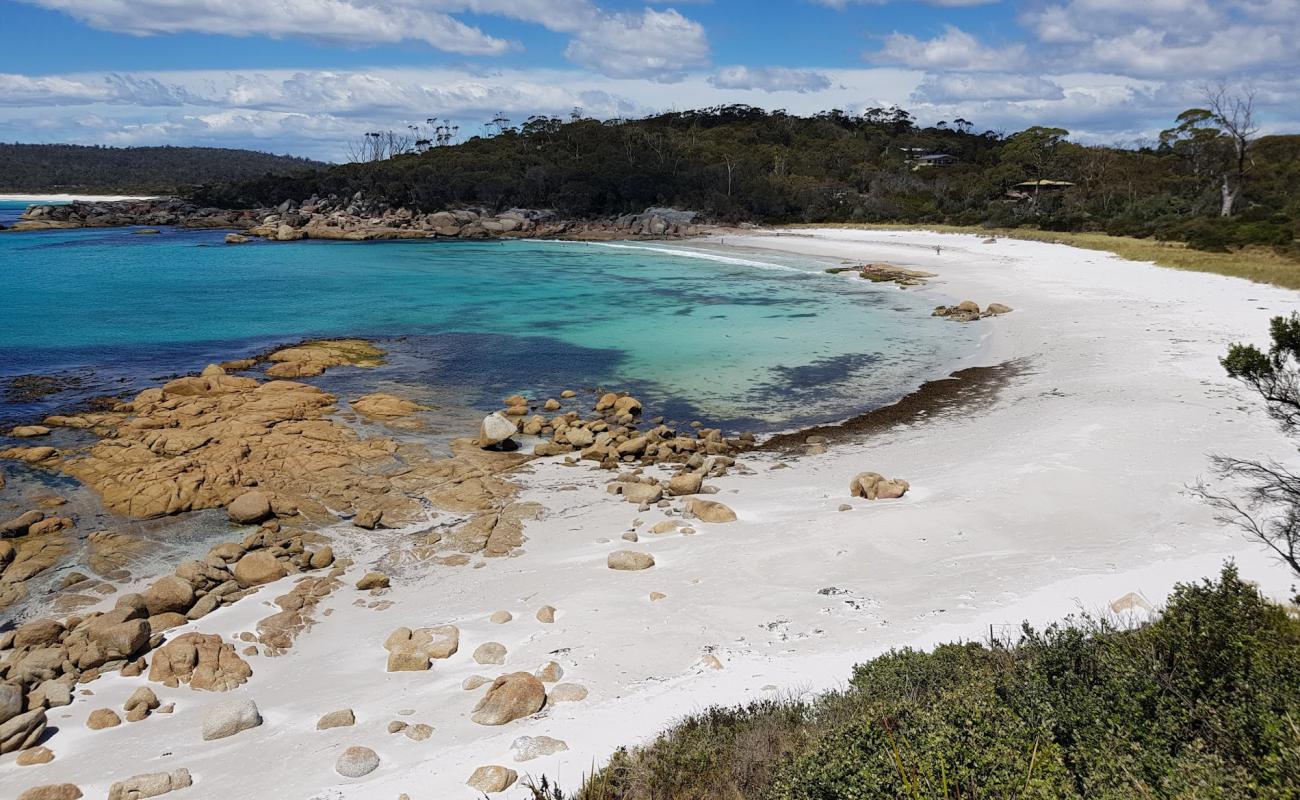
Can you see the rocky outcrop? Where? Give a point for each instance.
(202, 660)
(969, 311)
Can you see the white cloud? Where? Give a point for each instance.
(662, 45)
(349, 22)
(957, 87)
(954, 49)
(24, 90)
(842, 4)
(770, 79)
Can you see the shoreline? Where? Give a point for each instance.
(37, 199)
(1059, 489)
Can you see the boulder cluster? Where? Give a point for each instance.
(356, 218)
(44, 659)
(969, 311)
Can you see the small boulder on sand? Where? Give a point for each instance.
(526, 748)
(630, 560)
(500, 617)
(230, 717)
(546, 614)
(492, 779)
(34, 756)
(510, 697)
(566, 693)
(357, 761)
(102, 718)
(249, 508)
(342, 718)
(550, 672)
(874, 486)
(373, 580)
(257, 568)
(490, 653)
(150, 784)
(52, 791)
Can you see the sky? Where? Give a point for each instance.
(310, 77)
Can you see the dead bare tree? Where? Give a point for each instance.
(1270, 510)
(1235, 114)
(380, 145)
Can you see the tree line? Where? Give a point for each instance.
(58, 168)
(1208, 180)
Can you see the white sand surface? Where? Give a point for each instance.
(1068, 492)
(68, 198)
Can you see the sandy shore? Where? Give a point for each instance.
(68, 198)
(1065, 491)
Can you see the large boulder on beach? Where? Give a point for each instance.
(257, 568)
(230, 717)
(24, 730)
(52, 791)
(710, 511)
(510, 697)
(686, 483)
(494, 430)
(249, 508)
(169, 594)
(874, 486)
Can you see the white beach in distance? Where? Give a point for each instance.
(1067, 492)
(71, 198)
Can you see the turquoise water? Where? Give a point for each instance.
(757, 341)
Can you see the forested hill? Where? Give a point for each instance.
(742, 163)
(56, 168)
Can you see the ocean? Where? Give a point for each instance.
(758, 343)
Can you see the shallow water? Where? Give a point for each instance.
(764, 342)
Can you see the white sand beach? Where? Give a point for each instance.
(69, 198)
(1065, 493)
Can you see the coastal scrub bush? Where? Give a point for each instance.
(1202, 702)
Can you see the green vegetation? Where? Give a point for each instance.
(738, 163)
(1203, 702)
(55, 168)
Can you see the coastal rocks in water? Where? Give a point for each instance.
(230, 717)
(874, 486)
(356, 762)
(19, 525)
(494, 430)
(969, 311)
(29, 431)
(310, 359)
(630, 560)
(510, 697)
(237, 238)
(526, 748)
(385, 406)
(21, 730)
(492, 779)
(151, 784)
(887, 273)
(710, 511)
(249, 508)
(342, 718)
(203, 661)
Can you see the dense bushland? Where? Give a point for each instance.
(53, 168)
(1202, 702)
(739, 163)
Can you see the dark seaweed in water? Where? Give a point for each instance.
(29, 388)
